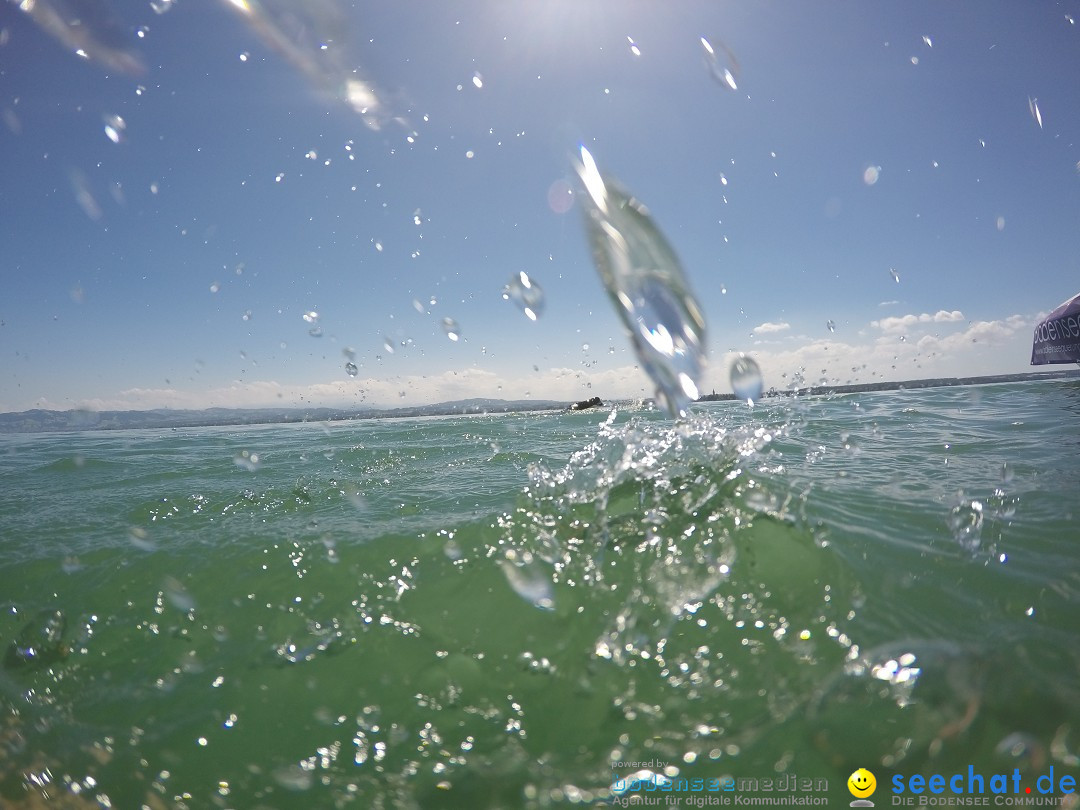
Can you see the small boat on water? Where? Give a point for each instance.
(592, 402)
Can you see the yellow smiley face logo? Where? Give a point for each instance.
(862, 784)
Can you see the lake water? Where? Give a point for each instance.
(529, 610)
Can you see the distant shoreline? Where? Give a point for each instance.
(45, 421)
(931, 382)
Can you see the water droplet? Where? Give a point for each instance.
(40, 642)
(247, 460)
(388, 344)
(914, 60)
(895, 275)
(140, 539)
(470, 154)
(244, 56)
(246, 316)
(215, 286)
(529, 579)
(350, 369)
(114, 128)
(560, 196)
(417, 217)
(312, 317)
(871, 175)
(450, 326)
(928, 41)
(178, 595)
(312, 155)
(646, 284)
(746, 379)
(1001, 223)
(634, 49)
(526, 294)
(293, 777)
(723, 66)
(477, 80)
(830, 326)
(966, 521)
(1033, 106)
(161, 6)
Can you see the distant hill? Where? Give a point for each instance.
(42, 421)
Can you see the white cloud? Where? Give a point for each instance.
(904, 323)
(981, 348)
(767, 327)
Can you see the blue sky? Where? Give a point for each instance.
(171, 264)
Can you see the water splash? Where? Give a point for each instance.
(1033, 108)
(966, 523)
(316, 38)
(746, 379)
(322, 637)
(722, 64)
(647, 286)
(114, 128)
(526, 293)
(88, 29)
(926, 691)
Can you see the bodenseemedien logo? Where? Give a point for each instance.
(862, 785)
